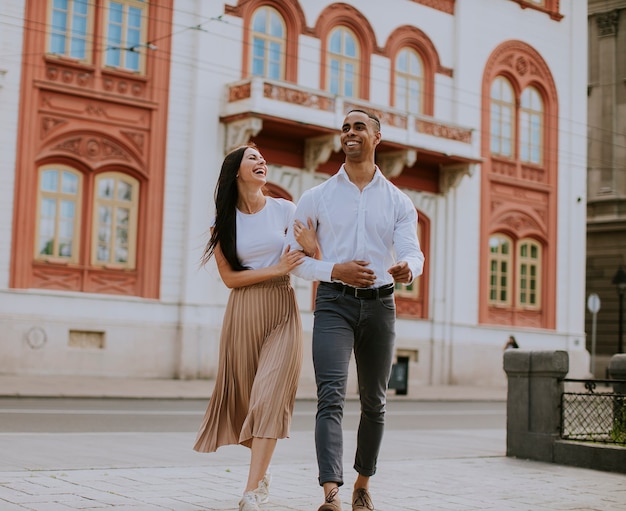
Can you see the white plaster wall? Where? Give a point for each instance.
(11, 15)
(572, 189)
(308, 58)
(139, 335)
(178, 335)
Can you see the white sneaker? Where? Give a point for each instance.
(263, 490)
(249, 502)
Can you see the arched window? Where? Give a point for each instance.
(531, 126)
(409, 81)
(268, 44)
(343, 63)
(125, 29)
(115, 220)
(70, 29)
(502, 117)
(58, 219)
(528, 274)
(519, 186)
(500, 258)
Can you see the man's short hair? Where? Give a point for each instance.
(370, 115)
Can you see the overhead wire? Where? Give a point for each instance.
(204, 65)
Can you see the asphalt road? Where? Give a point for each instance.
(72, 434)
(28, 415)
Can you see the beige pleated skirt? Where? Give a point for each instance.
(259, 367)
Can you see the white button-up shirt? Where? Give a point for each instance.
(377, 224)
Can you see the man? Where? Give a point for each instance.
(367, 234)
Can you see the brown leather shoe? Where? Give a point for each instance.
(331, 502)
(361, 500)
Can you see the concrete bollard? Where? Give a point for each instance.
(533, 402)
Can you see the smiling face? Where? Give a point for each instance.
(253, 168)
(359, 136)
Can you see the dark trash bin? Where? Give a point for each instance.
(399, 379)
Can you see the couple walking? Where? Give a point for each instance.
(356, 234)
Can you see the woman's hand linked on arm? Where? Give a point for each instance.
(306, 236)
(289, 260)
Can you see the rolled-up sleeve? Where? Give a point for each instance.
(310, 269)
(405, 241)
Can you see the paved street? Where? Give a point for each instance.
(438, 455)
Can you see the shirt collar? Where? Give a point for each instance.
(344, 175)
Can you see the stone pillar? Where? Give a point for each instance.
(533, 401)
(617, 370)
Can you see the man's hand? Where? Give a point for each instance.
(401, 272)
(354, 273)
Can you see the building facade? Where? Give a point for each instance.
(606, 188)
(117, 115)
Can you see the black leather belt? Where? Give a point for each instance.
(357, 292)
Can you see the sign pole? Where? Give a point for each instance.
(593, 304)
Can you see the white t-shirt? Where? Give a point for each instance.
(261, 236)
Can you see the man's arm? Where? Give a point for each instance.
(408, 252)
(310, 269)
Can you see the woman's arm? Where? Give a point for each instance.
(288, 261)
(307, 238)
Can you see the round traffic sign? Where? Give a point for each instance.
(593, 303)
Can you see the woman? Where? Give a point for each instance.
(261, 341)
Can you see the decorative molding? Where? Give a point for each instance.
(64, 279)
(550, 7)
(446, 71)
(535, 174)
(389, 118)
(392, 163)
(503, 168)
(446, 6)
(298, 97)
(450, 175)
(607, 23)
(441, 130)
(50, 124)
(317, 150)
(423, 201)
(73, 105)
(93, 148)
(136, 138)
(239, 92)
(239, 132)
(69, 76)
(111, 282)
(518, 222)
(286, 178)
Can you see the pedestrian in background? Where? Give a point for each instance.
(261, 341)
(367, 235)
(511, 343)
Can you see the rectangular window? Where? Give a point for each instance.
(115, 220)
(529, 274)
(58, 217)
(70, 29)
(499, 270)
(125, 34)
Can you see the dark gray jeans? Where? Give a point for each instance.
(342, 324)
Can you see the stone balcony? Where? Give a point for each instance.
(256, 104)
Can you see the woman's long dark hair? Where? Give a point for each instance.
(226, 195)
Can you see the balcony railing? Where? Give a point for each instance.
(280, 100)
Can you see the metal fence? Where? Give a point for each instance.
(592, 411)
